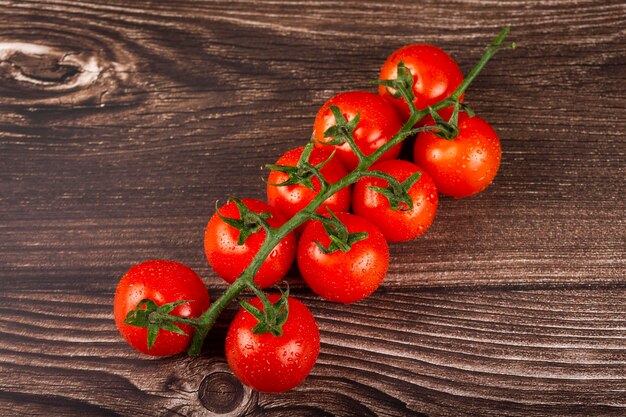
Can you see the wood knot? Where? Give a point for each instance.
(36, 75)
(222, 394)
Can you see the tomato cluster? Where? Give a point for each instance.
(341, 249)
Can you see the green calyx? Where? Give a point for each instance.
(154, 317)
(340, 238)
(402, 85)
(304, 172)
(249, 222)
(396, 192)
(273, 316)
(449, 129)
(343, 130)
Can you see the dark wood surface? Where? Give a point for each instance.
(122, 122)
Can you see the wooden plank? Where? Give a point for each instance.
(121, 123)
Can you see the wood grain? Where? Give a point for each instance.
(122, 122)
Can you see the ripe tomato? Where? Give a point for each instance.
(397, 225)
(228, 258)
(435, 76)
(290, 199)
(465, 165)
(273, 363)
(378, 123)
(340, 276)
(162, 282)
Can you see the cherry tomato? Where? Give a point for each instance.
(378, 123)
(465, 165)
(340, 276)
(228, 259)
(435, 76)
(397, 225)
(290, 199)
(273, 363)
(162, 282)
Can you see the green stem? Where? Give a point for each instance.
(495, 46)
(274, 236)
(209, 317)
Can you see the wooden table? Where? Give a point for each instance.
(122, 122)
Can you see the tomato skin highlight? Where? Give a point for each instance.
(396, 225)
(229, 259)
(269, 363)
(435, 76)
(465, 165)
(378, 124)
(290, 199)
(162, 282)
(344, 277)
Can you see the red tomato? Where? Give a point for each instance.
(228, 259)
(273, 363)
(435, 76)
(162, 282)
(397, 225)
(290, 199)
(465, 165)
(378, 123)
(343, 277)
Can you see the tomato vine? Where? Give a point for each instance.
(148, 314)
